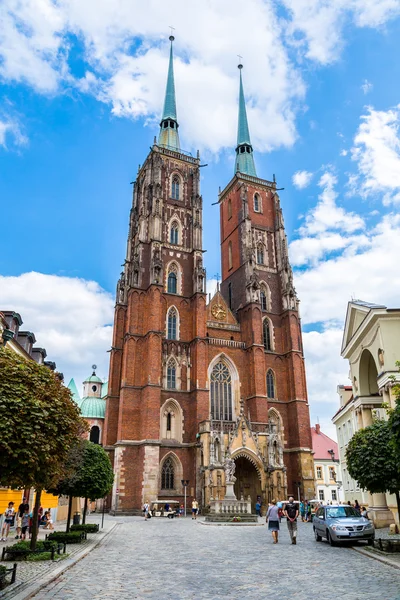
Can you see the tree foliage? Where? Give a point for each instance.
(39, 423)
(372, 460)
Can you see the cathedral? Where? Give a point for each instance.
(197, 384)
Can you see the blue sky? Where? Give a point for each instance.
(82, 87)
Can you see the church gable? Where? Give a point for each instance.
(218, 313)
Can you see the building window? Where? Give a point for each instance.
(270, 384)
(319, 472)
(221, 393)
(95, 434)
(334, 495)
(230, 255)
(175, 187)
(172, 324)
(167, 475)
(257, 203)
(263, 300)
(230, 295)
(260, 254)
(229, 208)
(321, 495)
(171, 375)
(267, 335)
(174, 233)
(169, 421)
(94, 388)
(332, 473)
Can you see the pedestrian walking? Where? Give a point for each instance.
(357, 507)
(25, 521)
(291, 513)
(302, 511)
(146, 511)
(9, 517)
(273, 520)
(18, 525)
(258, 508)
(195, 509)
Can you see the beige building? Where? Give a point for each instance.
(328, 480)
(371, 345)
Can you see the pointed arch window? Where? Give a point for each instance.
(175, 187)
(172, 286)
(263, 300)
(95, 434)
(171, 375)
(270, 384)
(267, 337)
(168, 475)
(230, 255)
(221, 393)
(169, 421)
(229, 208)
(174, 234)
(260, 254)
(172, 322)
(257, 203)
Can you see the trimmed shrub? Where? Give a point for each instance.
(73, 537)
(39, 556)
(88, 528)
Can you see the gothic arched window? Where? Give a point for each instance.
(260, 254)
(229, 208)
(172, 324)
(267, 338)
(174, 233)
(270, 384)
(168, 475)
(172, 284)
(175, 187)
(257, 203)
(221, 393)
(230, 255)
(263, 300)
(169, 421)
(171, 375)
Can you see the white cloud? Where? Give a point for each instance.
(11, 133)
(367, 86)
(302, 179)
(344, 152)
(376, 151)
(316, 27)
(72, 318)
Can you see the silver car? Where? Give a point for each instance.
(342, 523)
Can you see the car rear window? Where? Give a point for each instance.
(341, 512)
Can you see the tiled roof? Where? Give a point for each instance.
(321, 443)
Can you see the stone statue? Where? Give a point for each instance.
(230, 470)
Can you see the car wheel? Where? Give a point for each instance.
(318, 538)
(329, 539)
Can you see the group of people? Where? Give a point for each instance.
(167, 508)
(22, 519)
(290, 510)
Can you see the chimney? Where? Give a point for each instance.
(318, 428)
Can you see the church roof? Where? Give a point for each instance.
(168, 136)
(93, 379)
(75, 394)
(244, 160)
(93, 408)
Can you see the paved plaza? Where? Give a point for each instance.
(182, 560)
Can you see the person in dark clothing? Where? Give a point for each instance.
(22, 507)
(291, 513)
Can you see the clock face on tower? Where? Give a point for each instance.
(218, 312)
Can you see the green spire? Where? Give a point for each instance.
(168, 136)
(244, 149)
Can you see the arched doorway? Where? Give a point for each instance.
(368, 375)
(248, 482)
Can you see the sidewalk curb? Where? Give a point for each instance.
(33, 588)
(378, 557)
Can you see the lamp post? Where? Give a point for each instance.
(185, 483)
(298, 483)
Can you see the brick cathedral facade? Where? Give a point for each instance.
(192, 382)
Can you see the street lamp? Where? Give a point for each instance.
(298, 483)
(185, 483)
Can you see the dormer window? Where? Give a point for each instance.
(94, 388)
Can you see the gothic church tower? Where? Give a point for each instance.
(193, 385)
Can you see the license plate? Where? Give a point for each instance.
(353, 533)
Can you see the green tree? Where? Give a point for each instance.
(90, 475)
(39, 423)
(372, 461)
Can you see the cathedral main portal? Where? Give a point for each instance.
(247, 480)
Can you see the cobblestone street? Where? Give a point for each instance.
(183, 560)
